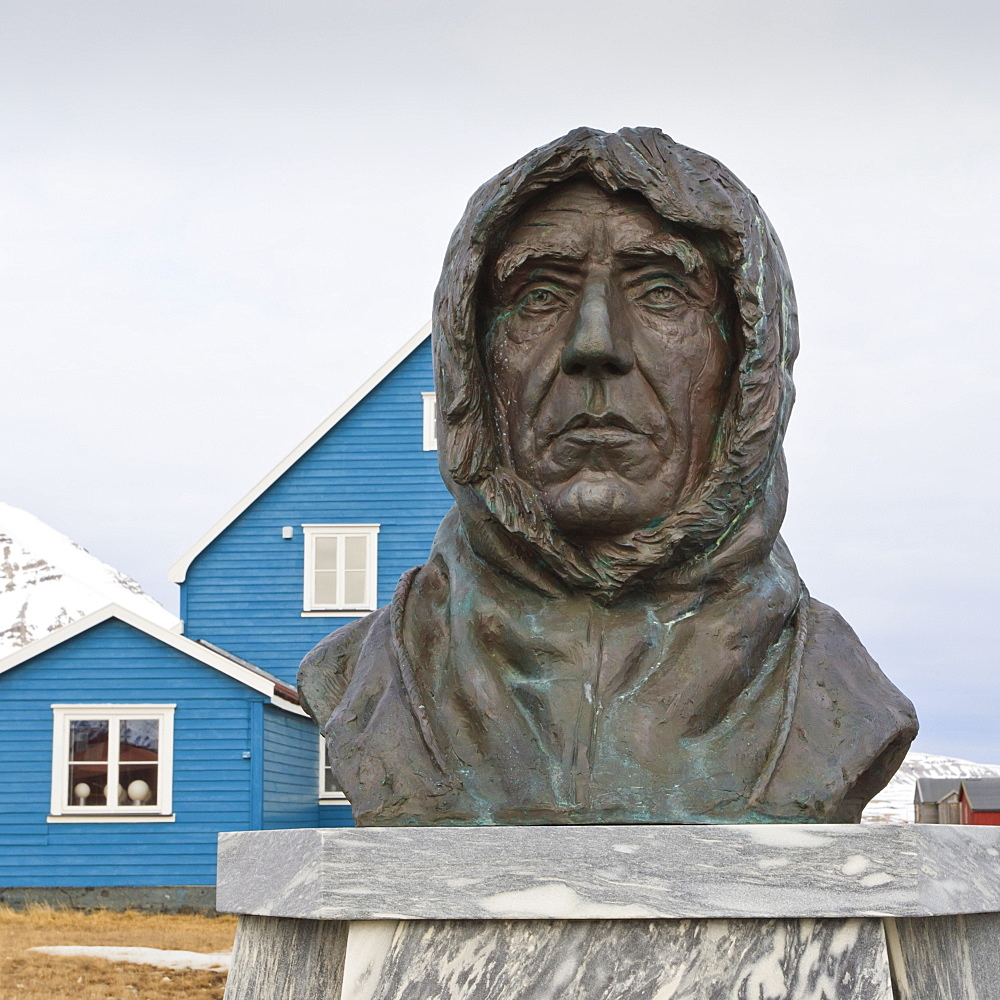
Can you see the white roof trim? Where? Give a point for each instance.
(244, 675)
(178, 572)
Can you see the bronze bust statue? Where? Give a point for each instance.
(609, 628)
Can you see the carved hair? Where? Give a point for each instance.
(695, 192)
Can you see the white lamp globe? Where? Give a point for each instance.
(121, 795)
(82, 791)
(138, 792)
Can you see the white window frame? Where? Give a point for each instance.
(310, 607)
(63, 715)
(324, 795)
(430, 420)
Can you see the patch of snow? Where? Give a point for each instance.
(218, 961)
(47, 581)
(894, 804)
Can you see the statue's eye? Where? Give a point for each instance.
(539, 299)
(662, 296)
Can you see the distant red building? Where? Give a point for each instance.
(979, 801)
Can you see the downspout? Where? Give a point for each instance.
(256, 765)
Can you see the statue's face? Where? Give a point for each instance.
(608, 358)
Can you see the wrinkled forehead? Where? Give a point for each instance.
(577, 220)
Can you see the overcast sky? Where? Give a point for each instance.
(218, 218)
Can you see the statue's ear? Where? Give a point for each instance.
(326, 669)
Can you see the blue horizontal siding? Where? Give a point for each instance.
(335, 815)
(115, 663)
(291, 771)
(244, 590)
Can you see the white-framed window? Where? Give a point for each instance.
(341, 568)
(430, 421)
(328, 790)
(112, 761)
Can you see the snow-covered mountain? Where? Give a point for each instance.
(47, 580)
(894, 804)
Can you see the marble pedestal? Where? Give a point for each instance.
(608, 913)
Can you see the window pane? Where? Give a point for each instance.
(87, 784)
(329, 785)
(355, 552)
(88, 739)
(326, 587)
(138, 783)
(140, 739)
(354, 587)
(326, 551)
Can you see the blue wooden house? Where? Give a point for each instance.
(323, 538)
(126, 748)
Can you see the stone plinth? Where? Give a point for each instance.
(608, 913)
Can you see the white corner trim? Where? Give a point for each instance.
(235, 671)
(289, 706)
(178, 572)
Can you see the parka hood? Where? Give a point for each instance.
(725, 518)
(679, 674)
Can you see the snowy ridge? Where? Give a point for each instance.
(894, 804)
(47, 581)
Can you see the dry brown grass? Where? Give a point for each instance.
(26, 975)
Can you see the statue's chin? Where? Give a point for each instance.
(597, 508)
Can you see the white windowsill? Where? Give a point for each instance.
(357, 613)
(112, 818)
(333, 800)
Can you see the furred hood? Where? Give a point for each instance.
(677, 674)
(725, 520)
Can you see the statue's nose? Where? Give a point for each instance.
(599, 346)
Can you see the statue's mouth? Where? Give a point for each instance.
(598, 426)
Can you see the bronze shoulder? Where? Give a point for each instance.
(327, 668)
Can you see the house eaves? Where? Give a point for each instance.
(281, 695)
(982, 794)
(935, 789)
(178, 572)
